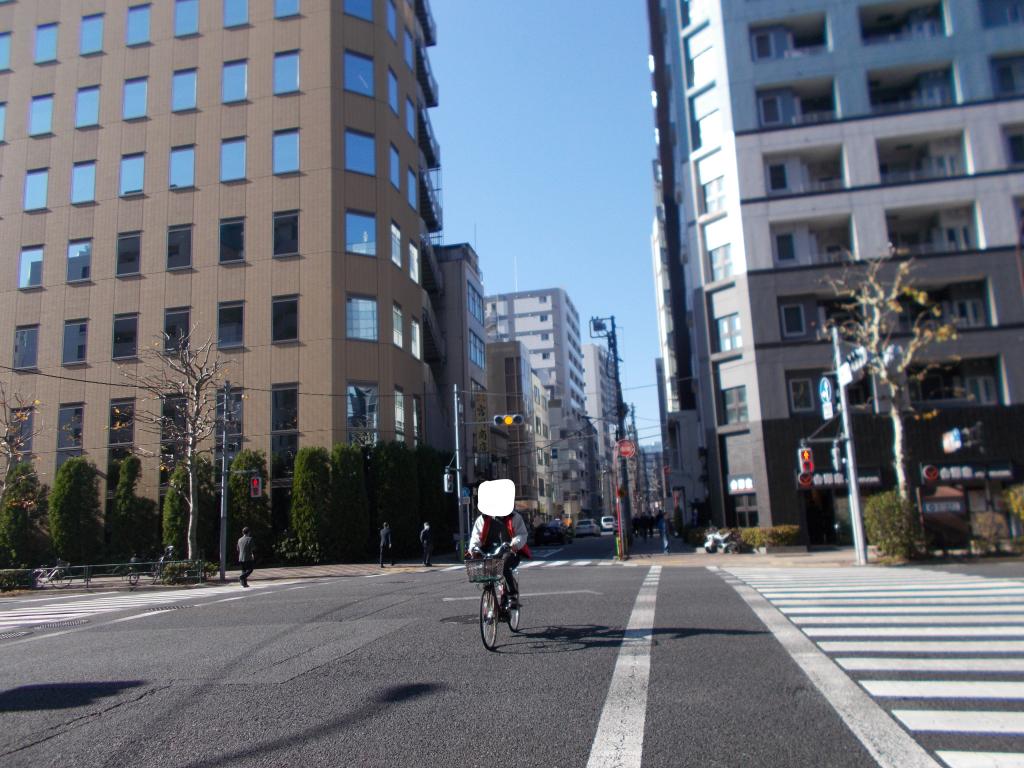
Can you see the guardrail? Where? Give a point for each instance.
(104, 575)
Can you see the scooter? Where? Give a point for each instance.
(727, 541)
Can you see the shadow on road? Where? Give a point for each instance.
(30, 698)
(580, 637)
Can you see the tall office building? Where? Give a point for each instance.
(258, 171)
(798, 140)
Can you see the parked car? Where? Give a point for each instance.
(551, 532)
(608, 524)
(587, 527)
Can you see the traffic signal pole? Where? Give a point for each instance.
(458, 469)
(224, 481)
(852, 482)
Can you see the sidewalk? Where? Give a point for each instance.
(683, 555)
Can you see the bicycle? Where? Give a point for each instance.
(495, 602)
(55, 576)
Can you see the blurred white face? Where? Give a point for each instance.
(496, 497)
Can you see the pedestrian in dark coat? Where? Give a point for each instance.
(246, 557)
(427, 540)
(385, 544)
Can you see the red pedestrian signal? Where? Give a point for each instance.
(805, 480)
(805, 460)
(255, 487)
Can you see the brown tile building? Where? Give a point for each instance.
(257, 170)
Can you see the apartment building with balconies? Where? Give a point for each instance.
(812, 137)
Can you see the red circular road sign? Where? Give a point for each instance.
(930, 473)
(805, 479)
(627, 449)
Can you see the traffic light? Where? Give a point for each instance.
(837, 457)
(508, 420)
(805, 460)
(449, 482)
(255, 487)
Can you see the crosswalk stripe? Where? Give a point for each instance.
(958, 721)
(937, 592)
(580, 562)
(531, 564)
(1007, 619)
(944, 689)
(914, 631)
(982, 759)
(903, 664)
(935, 646)
(453, 568)
(1005, 609)
(555, 563)
(1008, 600)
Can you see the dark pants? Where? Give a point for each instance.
(247, 569)
(427, 549)
(511, 562)
(382, 551)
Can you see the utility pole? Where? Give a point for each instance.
(224, 478)
(599, 328)
(458, 467)
(852, 482)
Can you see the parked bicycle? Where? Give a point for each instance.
(58, 575)
(495, 603)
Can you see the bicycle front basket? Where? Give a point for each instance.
(483, 571)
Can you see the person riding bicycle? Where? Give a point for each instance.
(499, 524)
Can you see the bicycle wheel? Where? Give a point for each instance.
(133, 579)
(62, 579)
(488, 618)
(513, 619)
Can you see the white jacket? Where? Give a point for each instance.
(518, 527)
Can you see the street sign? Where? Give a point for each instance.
(952, 441)
(627, 449)
(825, 395)
(845, 374)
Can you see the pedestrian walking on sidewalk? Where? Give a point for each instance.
(246, 557)
(663, 530)
(385, 544)
(427, 540)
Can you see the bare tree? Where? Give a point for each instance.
(895, 322)
(181, 380)
(17, 429)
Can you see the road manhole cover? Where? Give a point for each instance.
(11, 635)
(60, 624)
(471, 619)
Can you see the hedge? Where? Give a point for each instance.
(24, 539)
(350, 506)
(311, 500)
(245, 511)
(893, 526)
(75, 512)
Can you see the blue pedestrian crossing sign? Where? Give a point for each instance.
(825, 395)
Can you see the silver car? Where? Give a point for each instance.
(587, 527)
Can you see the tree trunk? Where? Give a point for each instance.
(898, 459)
(193, 505)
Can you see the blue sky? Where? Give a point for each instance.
(547, 138)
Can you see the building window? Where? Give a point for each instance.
(410, 180)
(183, 90)
(40, 115)
(69, 432)
(230, 317)
(79, 260)
(362, 9)
(706, 128)
(414, 339)
(475, 303)
(90, 38)
(407, 47)
(182, 169)
(360, 152)
(416, 421)
(777, 178)
(392, 91)
(397, 326)
(1001, 13)
(137, 28)
(134, 105)
(83, 182)
(361, 318)
(285, 8)
(286, 151)
(5, 51)
(714, 195)
(792, 320)
(771, 109)
(26, 346)
(179, 246)
(801, 399)
(35, 189)
(396, 245)
(234, 81)
(711, 176)
(129, 254)
(360, 233)
(395, 168)
(236, 13)
(362, 414)
(1015, 146)
(177, 327)
(75, 335)
(745, 506)
(734, 404)
(358, 73)
(121, 428)
(286, 233)
(232, 159)
(730, 336)
(410, 118)
(284, 426)
(133, 171)
(285, 318)
(721, 262)
(477, 352)
(232, 240)
(46, 43)
(785, 247)
(3, 121)
(186, 17)
(126, 336)
(399, 416)
(414, 263)
(286, 72)
(232, 420)
(30, 272)
(392, 20)
(87, 107)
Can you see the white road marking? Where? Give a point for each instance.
(890, 745)
(21, 601)
(531, 564)
(619, 742)
(1011, 609)
(580, 562)
(931, 619)
(452, 568)
(898, 664)
(914, 631)
(556, 563)
(938, 591)
(944, 689)
(915, 646)
(885, 601)
(982, 759)
(959, 721)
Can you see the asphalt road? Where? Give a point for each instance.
(390, 671)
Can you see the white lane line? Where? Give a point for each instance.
(898, 664)
(890, 745)
(1000, 610)
(556, 563)
(910, 646)
(959, 721)
(933, 619)
(944, 689)
(542, 553)
(914, 631)
(982, 759)
(619, 742)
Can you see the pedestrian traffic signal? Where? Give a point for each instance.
(508, 420)
(449, 482)
(255, 487)
(805, 460)
(837, 457)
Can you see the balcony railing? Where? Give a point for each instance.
(834, 256)
(432, 276)
(429, 145)
(426, 78)
(914, 101)
(917, 32)
(430, 204)
(917, 174)
(426, 22)
(805, 50)
(820, 116)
